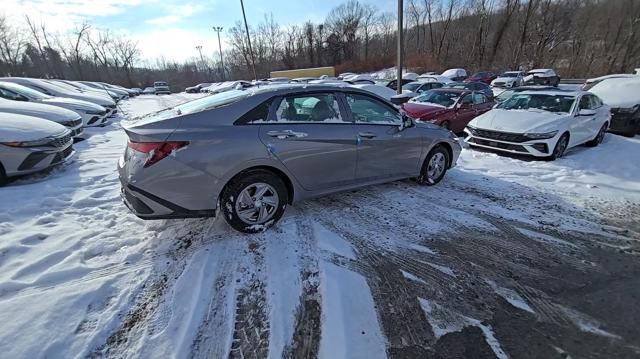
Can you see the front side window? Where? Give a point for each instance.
(467, 100)
(9, 95)
(309, 108)
(585, 103)
(368, 110)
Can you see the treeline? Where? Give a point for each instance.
(579, 38)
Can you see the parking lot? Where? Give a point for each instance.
(507, 257)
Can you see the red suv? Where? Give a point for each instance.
(449, 108)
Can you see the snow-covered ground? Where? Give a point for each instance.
(504, 255)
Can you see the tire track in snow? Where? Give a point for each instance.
(251, 323)
(305, 342)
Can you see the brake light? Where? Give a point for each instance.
(156, 150)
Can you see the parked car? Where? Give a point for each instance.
(161, 88)
(117, 88)
(434, 78)
(623, 96)
(197, 88)
(413, 89)
(66, 118)
(58, 91)
(136, 90)
(542, 77)
(483, 76)
(149, 91)
(509, 79)
(543, 124)
(472, 86)
(455, 74)
(394, 83)
(589, 83)
(91, 114)
(229, 85)
(116, 94)
(506, 94)
(449, 108)
(77, 86)
(270, 147)
(30, 144)
(637, 71)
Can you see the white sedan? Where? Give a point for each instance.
(542, 124)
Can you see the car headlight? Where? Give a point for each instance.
(471, 129)
(34, 143)
(540, 136)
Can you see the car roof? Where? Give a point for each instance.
(298, 88)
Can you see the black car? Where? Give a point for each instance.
(623, 96)
(473, 86)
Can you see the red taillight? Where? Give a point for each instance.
(156, 150)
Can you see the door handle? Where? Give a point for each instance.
(367, 134)
(286, 134)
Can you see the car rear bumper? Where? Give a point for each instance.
(149, 206)
(536, 148)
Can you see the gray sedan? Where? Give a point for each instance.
(249, 153)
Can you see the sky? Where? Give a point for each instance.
(169, 28)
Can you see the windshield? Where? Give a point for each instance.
(212, 101)
(457, 85)
(509, 74)
(504, 95)
(159, 84)
(411, 86)
(544, 102)
(26, 91)
(441, 98)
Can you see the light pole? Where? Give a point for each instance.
(199, 48)
(246, 27)
(218, 29)
(399, 65)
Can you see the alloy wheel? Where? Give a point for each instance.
(561, 147)
(436, 165)
(257, 203)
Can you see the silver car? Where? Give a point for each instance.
(249, 153)
(30, 144)
(66, 118)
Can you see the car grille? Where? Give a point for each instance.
(60, 156)
(499, 84)
(60, 141)
(504, 146)
(500, 136)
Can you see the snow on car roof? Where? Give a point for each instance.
(553, 92)
(612, 76)
(618, 92)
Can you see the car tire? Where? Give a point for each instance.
(434, 167)
(238, 195)
(599, 137)
(561, 147)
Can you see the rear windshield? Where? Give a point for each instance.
(442, 98)
(212, 101)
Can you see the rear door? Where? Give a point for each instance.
(385, 149)
(308, 133)
(464, 112)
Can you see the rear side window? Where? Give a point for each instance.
(257, 114)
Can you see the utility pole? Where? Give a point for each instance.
(246, 27)
(218, 29)
(400, 48)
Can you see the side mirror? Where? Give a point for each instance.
(407, 122)
(586, 112)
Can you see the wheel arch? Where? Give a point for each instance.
(276, 171)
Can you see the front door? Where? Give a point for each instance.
(308, 135)
(385, 149)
